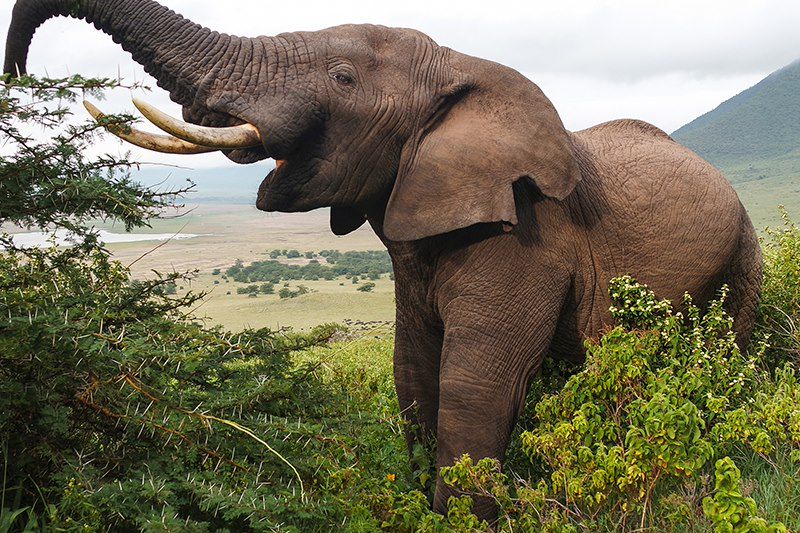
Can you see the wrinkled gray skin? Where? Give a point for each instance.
(503, 227)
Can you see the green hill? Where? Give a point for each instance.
(754, 138)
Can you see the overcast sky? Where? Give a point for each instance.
(662, 61)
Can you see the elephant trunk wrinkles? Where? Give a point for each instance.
(174, 50)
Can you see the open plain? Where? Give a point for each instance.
(228, 232)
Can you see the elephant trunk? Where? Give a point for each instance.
(174, 50)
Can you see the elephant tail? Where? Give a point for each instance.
(743, 278)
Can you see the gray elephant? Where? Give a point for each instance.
(504, 228)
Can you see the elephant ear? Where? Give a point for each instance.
(494, 127)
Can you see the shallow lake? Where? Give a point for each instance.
(39, 239)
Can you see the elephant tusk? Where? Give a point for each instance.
(230, 138)
(158, 143)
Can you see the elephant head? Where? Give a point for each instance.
(369, 120)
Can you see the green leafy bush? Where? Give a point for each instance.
(629, 440)
(366, 287)
(729, 510)
(779, 313)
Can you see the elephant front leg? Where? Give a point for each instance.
(416, 376)
(485, 373)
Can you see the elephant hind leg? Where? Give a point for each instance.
(744, 281)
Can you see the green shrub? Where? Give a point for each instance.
(729, 510)
(366, 287)
(251, 289)
(267, 288)
(631, 436)
(779, 313)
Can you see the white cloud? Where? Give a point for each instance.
(665, 62)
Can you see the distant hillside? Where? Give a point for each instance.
(754, 138)
(232, 184)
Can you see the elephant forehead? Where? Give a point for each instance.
(366, 40)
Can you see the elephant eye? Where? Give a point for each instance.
(343, 78)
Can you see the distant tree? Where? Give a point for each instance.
(274, 254)
(310, 255)
(215, 272)
(293, 254)
(267, 288)
(249, 289)
(366, 265)
(366, 287)
(284, 293)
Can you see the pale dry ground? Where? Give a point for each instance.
(233, 232)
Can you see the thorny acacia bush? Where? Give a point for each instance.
(119, 411)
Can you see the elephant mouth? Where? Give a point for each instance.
(280, 189)
(264, 196)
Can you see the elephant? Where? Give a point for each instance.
(503, 227)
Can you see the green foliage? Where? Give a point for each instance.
(729, 510)
(286, 292)
(641, 410)
(249, 289)
(125, 393)
(779, 314)
(366, 287)
(120, 412)
(50, 183)
(628, 441)
(267, 288)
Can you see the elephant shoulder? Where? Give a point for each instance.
(623, 128)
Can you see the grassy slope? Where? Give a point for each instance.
(754, 138)
(328, 302)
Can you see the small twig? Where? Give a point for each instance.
(148, 252)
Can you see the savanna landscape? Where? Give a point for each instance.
(239, 232)
(236, 372)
